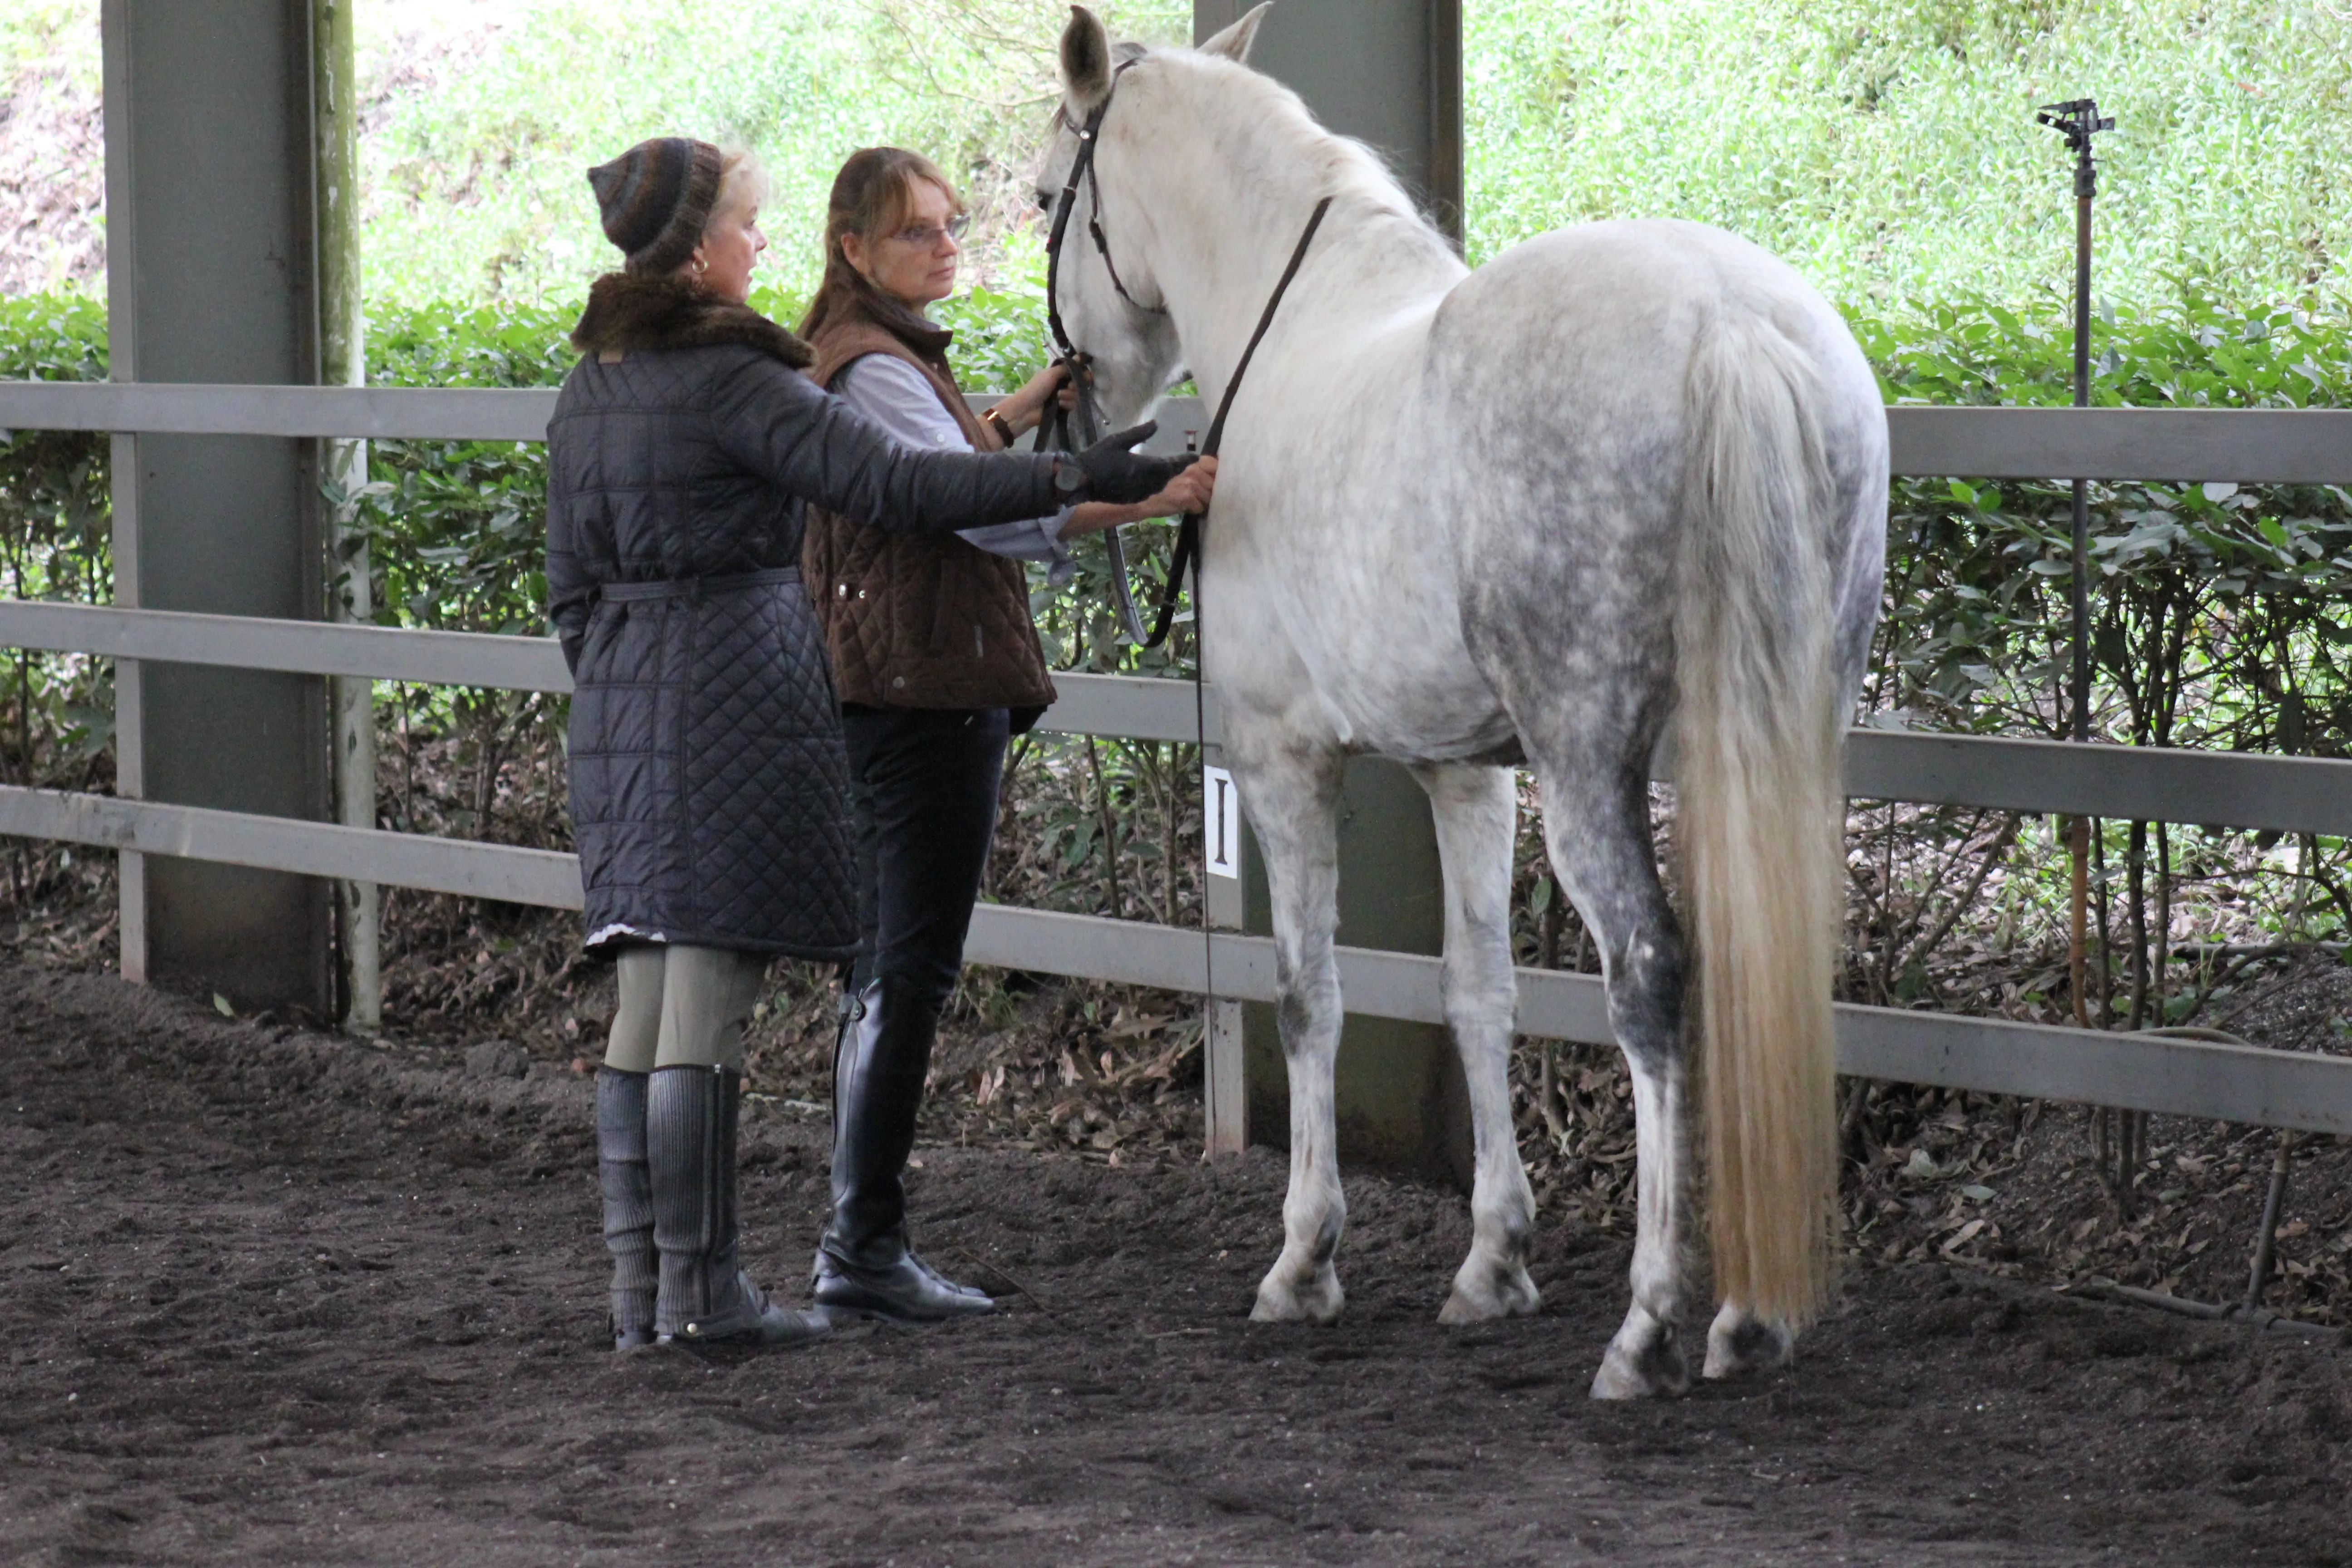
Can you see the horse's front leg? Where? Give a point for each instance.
(1476, 813)
(1293, 796)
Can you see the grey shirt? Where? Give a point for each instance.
(894, 395)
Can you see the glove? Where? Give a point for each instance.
(1109, 472)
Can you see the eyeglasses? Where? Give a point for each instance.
(925, 236)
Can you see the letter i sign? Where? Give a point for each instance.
(1220, 819)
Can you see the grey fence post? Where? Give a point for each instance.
(344, 467)
(210, 277)
(1224, 1037)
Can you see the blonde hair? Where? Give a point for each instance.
(743, 183)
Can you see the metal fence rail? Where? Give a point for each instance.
(2134, 1071)
(2291, 795)
(2248, 445)
(2178, 1077)
(377, 413)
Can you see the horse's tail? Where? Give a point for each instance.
(1760, 816)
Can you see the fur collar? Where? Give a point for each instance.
(626, 311)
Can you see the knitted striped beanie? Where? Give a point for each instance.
(655, 199)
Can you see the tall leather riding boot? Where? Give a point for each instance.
(628, 1203)
(863, 1265)
(692, 1115)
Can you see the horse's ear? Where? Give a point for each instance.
(1086, 60)
(1235, 42)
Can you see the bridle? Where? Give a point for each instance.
(1062, 432)
(1090, 135)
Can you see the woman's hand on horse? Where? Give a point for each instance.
(1021, 410)
(1188, 492)
(1110, 470)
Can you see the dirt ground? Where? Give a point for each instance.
(275, 1297)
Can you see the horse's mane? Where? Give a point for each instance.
(1286, 136)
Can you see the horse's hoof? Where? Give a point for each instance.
(1642, 1370)
(1318, 1301)
(1737, 1342)
(1482, 1295)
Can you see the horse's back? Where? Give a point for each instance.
(1611, 313)
(1568, 376)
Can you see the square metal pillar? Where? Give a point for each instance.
(210, 277)
(1387, 72)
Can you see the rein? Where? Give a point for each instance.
(1188, 531)
(1057, 428)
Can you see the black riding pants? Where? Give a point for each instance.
(923, 785)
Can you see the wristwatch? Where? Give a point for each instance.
(996, 422)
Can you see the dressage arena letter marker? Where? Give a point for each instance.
(1221, 818)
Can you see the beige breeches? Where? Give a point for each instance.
(683, 1006)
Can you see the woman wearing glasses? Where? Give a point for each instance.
(938, 664)
(707, 779)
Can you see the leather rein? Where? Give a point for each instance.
(1057, 431)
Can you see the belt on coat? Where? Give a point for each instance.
(697, 588)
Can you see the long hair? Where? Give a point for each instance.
(1761, 812)
(871, 198)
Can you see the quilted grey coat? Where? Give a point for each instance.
(708, 783)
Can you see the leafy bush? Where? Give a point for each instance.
(57, 718)
(2216, 625)
(1975, 615)
(2216, 605)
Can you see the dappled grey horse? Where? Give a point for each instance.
(1624, 483)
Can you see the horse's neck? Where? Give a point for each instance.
(1231, 222)
(1348, 293)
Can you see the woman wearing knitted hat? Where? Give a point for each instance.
(708, 776)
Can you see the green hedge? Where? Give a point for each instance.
(57, 716)
(2219, 607)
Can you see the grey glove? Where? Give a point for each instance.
(1109, 472)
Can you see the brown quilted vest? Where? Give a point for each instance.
(920, 620)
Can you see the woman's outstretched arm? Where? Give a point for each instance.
(777, 422)
(894, 395)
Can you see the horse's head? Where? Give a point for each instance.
(1104, 285)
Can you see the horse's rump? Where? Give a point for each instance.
(1601, 597)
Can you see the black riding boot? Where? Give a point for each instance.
(628, 1203)
(865, 1265)
(690, 1121)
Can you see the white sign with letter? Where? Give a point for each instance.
(1221, 819)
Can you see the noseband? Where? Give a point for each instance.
(1057, 432)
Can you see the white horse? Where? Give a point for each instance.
(1625, 481)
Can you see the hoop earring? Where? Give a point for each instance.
(701, 265)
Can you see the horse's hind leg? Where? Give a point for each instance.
(1477, 812)
(1293, 799)
(1596, 825)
